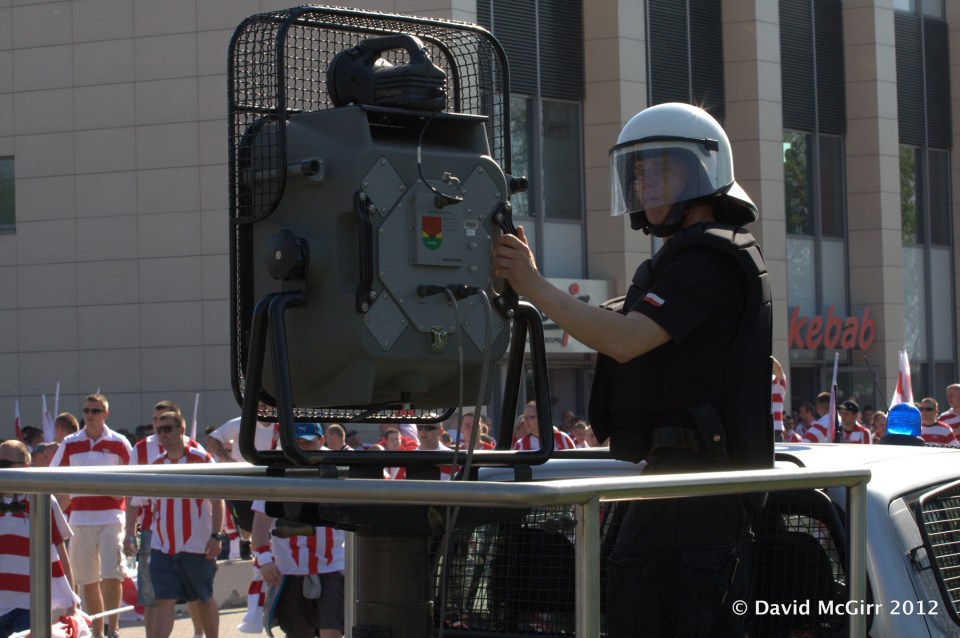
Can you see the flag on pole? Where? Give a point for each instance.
(904, 391)
(16, 420)
(833, 399)
(193, 424)
(48, 434)
(56, 402)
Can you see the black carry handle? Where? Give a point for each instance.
(506, 302)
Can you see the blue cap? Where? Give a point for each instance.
(309, 431)
(903, 419)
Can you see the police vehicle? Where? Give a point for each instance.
(518, 576)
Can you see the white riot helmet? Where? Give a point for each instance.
(680, 133)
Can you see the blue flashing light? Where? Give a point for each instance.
(903, 419)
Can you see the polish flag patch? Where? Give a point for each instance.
(653, 300)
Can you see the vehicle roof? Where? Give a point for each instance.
(895, 469)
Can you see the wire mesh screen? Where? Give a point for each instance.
(798, 560)
(939, 514)
(277, 68)
(515, 577)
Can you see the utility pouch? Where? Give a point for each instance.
(710, 431)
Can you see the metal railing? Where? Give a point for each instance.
(233, 481)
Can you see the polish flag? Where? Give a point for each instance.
(48, 434)
(16, 420)
(904, 391)
(837, 435)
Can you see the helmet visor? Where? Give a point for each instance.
(656, 172)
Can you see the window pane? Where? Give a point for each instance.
(831, 187)
(914, 303)
(561, 161)
(910, 199)
(521, 151)
(939, 197)
(833, 268)
(941, 303)
(905, 5)
(8, 198)
(932, 8)
(796, 177)
(801, 275)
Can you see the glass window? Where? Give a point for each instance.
(905, 5)
(8, 198)
(561, 161)
(831, 186)
(932, 8)
(796, 177)
(521, 152)
(939, 197)
(911, 221)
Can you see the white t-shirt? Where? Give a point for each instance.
(229, 434)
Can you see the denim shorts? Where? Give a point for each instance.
(182, 576)
(145, 595)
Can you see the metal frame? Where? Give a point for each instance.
(585, 494)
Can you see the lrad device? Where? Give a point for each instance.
(369, 176)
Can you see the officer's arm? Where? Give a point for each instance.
(260, 538)
(622, 337)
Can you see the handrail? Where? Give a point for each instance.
(251, 482)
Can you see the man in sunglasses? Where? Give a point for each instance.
(932, 430)
(97, 549)
(186, 539)
(15, 552)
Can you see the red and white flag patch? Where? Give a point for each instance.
(654, 300)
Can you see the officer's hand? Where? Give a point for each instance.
(513, 261)
(271, 574)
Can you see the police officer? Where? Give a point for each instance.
(683, 376)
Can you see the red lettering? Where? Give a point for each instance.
(867, 324)
(794, 337)
(813, 332)
(848, 339)
(832, 331)
(831, 334)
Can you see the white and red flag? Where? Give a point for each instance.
(904, 391)
(833, 397)
(48, 434)
(16, 420)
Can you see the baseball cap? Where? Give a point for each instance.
(851, 406)
(309, 431)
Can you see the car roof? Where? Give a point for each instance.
(895, 469)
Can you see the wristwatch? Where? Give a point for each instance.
(218, 537)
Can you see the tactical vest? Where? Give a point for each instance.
(712, 398)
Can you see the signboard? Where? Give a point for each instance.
(590, 291)
(831, 330)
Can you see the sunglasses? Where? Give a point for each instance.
(428, 428)
(92, 410)
(13, 507)
(928, 409)
(163, 429)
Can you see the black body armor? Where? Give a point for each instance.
(708, 398)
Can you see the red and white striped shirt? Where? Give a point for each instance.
(78, 450)
(15, 559)
(561, 441)
(951, 418)
(145, 452)
(321, 553)
(819, 431)
(777, 392)
(859, 434)
(939, 434)
(182, 524)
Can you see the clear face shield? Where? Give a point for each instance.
(654, 173)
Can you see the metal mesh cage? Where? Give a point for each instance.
(277, 67)
(798, 558)
(939, 517)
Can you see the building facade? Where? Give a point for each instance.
(114, 266)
